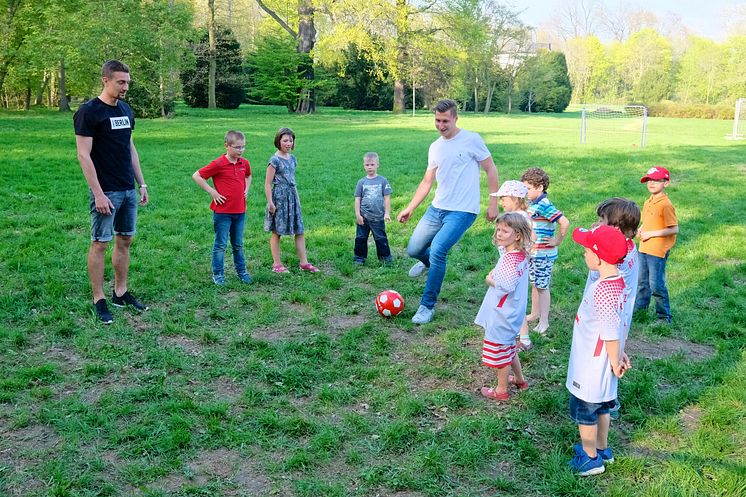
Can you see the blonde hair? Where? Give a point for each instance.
(520, 225)
(233, 136)
(522, 202)
(371, 156)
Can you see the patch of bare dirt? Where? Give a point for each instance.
(343, 322)
(239, 475)
(67, 358)
(16, 447)
(191, 347)
(690, 417)
(666, 347)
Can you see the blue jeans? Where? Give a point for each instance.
(435, 234)
(379, 235)
(653, 281)
(123, 218)
(225, 225)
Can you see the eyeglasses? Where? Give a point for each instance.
(236, 147)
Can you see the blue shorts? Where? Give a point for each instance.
(540, 271)
(586, 413)
(122, 220)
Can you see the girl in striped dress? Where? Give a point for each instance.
(504, 305)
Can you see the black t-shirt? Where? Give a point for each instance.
(111, 127)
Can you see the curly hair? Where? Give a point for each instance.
(535, 176)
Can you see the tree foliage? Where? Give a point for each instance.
(230, 79)
(543, 83)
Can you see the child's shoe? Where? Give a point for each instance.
(614, 411)
(308, 267)
(245, 277)
(583, 465)
(218, 279)
(606, 455)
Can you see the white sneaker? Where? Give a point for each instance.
(418, 270)
(423, 315)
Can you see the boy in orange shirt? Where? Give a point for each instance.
(657, 235)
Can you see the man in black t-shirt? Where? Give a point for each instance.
(107, 155)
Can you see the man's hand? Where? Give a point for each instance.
(404, 215)
(144, 195)
(104, 205)
(492, 212)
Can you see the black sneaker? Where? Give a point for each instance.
(127, 299)
(102, 311)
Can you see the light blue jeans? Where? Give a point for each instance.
(228, 225)
(432, 239)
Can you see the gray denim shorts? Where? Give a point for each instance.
(122, 220)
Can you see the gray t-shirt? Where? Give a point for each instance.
(371, 192)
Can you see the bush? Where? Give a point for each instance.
(667, 108)
(145, 101)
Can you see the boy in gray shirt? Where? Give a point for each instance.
(372, 211)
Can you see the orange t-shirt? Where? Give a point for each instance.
(658, 213)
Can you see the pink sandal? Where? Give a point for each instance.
(491, 393)
(308, 267)
(279, 268)
(518, 385)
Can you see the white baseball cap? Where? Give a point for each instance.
(511, 188)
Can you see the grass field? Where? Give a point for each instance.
(293, 385)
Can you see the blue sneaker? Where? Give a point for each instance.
(614, 411)
(583, 465)
(218, 279)
(606, 455)
(245, 277)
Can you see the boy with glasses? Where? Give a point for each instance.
(657, 235)
(231, 175)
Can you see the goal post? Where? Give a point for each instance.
(617, 123)
(739, 117)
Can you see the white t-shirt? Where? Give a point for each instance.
(589, 374)
(457, 160)
(629, 270)
(504, 305)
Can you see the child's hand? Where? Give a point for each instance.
(644, 235)
(490, 281)
(626, 363)
(218, 198)
(271, 208)
(553, 242)
(387, 218)
(360, 219)
(618, 369)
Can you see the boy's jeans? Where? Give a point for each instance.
(379, 235)
(435, 234)
(225, 225)
(653, 281)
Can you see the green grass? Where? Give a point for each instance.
(294, 385)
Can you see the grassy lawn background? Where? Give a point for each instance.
(294, 385)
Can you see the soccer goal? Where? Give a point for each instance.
(738, 120)
(617, 124)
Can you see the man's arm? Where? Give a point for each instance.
(493, 183)
(419, 195)
(84, 145)
(138, 174)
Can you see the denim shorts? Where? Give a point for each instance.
(122, 220)
(540, 271)
(586, 413)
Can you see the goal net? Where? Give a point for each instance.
(613, 124)
(739, 120)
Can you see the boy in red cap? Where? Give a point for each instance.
(596, 356)
(657, 235)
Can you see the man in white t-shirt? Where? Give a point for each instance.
(453, 162)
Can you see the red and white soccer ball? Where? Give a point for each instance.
(389, 303)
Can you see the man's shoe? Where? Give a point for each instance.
(127, 299)
(418, 270)
(583, 465)
(423, 315)
(245, 277)
(102, 312)
(218, 279)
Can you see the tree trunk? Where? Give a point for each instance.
(64, 104)
(398, 107)
(211, 56)
(27, 100)
(39, 100)
(490, 92)
(306, 40)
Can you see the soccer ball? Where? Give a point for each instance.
(389, 303)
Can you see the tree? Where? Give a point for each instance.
(274, 76)
(644, 65)
(230, 80)
(361, 85)
(698, 71)
(544, 84)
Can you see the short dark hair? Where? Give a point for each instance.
(282, 132)
(621, 213)
(112, 66)
(536, 176)
(234, 136)
(447, 105)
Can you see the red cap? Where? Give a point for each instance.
(607, 242)
(655, 173)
